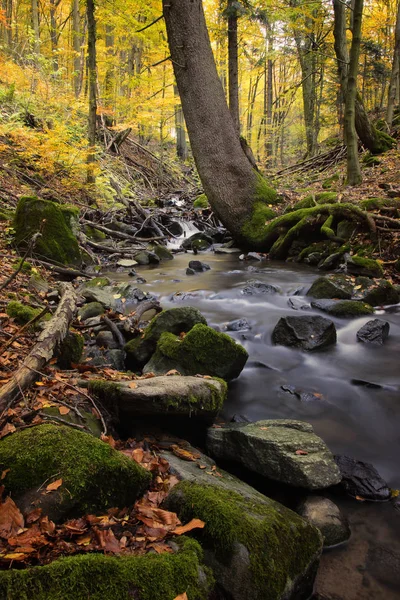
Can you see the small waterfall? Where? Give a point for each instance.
(188, 228)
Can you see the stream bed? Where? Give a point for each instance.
(349, 393)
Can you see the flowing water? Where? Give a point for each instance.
(350, 393)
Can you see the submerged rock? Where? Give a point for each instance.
(282, 450)
(149, 577)
(174, 320)
(202, 351)
(326, 516)
(362, 479)
(254, 287)
(374, 332)
(304, 332)
(162, 396)
(343, 308)
(256, 547)
(91, 471)
(198, 266)
(332, 286)
(238, 325)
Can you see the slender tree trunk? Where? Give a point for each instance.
(92, 85)
(181, 145)
(54, 34)
(394, 78)
(233, 68)
(374, 140)
(354, 176)
(232, 186)
(36, 29)
(109, 76)
(76, 45)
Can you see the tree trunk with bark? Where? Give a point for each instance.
(375, 141)
(394, 78)
(233, 67)
(181, 145)
(354, 176)
(236, 192)
(76, 44)
(92, 84)
(36, 29)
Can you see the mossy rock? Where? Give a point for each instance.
(57, 242)
(173, 320)
(200, 241)
(257, 548)
(99, 577)
(26, 266)
(343, 308)
(91, 309)
(22, 313)
(368, 267)
(94, 234)
(71, 217)
(70, 350)
(375, 292)
(92, 423)
(99, 282)
(201, 202)
(91, 471)
(378, 203)
(370, 161)
(202, 351)
(332, 286)
(162, 252)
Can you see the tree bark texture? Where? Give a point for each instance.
(229, 181)
(354, 176)
(394, 78)
(92, 76)
(76, 44)
(52, 335)
(233, 65)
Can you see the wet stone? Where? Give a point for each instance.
(304, 332)
(326, 516)
(255, 287)
(362, 479)
(374, 332)
(238, 325)
(198, 266)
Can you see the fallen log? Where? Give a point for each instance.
(120, 235)
(52, 335)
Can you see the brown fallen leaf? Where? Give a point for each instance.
(54, 485)
(64, 410)
(8, 428)
(193, 524)
(173, 372)
(184, 454)
(11, 518)
(4, 473)
(301, 452)
(182, 597)
(137, 455)
(133, 385)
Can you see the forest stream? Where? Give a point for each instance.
(350, 393)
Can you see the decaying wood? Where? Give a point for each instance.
(62, 270)
(117, 335)
(52, 335)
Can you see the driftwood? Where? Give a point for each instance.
(52, 335)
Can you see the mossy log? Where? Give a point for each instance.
(53, 334)
(279, 234)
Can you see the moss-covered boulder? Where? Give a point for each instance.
(256, 547)
(57, 241)
(332, 286)
(343, 308)
(91, 471)
(368, 267)
(174, 320)
(94, 234)
(202, 351)
(21, 313)
(99, 577)
(375, 292)
(201, 202)
(70, 350)
(90, 310)
(270, 447)
(162, 252)
(163, 396)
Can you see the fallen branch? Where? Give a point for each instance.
(117, 335)
(21, 264)
(120, 235)
(53, 334)
(24, 328)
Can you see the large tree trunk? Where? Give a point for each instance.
(181, 145)
(375, 141)
(233, 67)
(234, 189)
(394, 78)
(354, 176)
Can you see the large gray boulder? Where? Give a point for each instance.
(304, 332)
(174, 320)
(256, 547)
(326, 516)
(283, 450)
(170, 395)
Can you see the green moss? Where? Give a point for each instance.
(264, 193)
(57, 241)
(378, 203)
(26, 267)
(268, 530)
(326, 228)
(204, 351)
(91, 470)
(94, 234)
(99, 577)
(350, 308)
(98, 282)
(370, 161)
(70, 351)
(108, 391)
(91, 309)
(327, 184)
(201, 202)
(370, 266)
(254, 229)
(6, 214)
(21, 313)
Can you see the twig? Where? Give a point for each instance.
(63, 421)
(119, 338)
(21, 264)
(20, 331)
